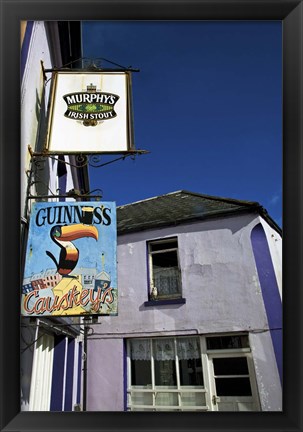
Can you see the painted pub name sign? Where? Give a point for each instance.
(70, 266)
(90, 112)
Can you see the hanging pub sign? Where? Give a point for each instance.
(70, 266)
(90, 112)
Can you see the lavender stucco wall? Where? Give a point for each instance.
(105, 377)
(220, 284)
(219, 281)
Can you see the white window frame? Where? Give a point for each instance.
(208, 388)
(151, 253)
(154, 390)
(244, 352)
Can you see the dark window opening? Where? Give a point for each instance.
(163, 245)
(191, 372)
(233, 387)
(140, 372)
(229, 376)
(227, 342)
(230, 366)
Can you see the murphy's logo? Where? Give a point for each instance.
(90, 106)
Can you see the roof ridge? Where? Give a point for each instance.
(226, 199)
(210, 197)
(140, 201)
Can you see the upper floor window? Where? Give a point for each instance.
(164, 270)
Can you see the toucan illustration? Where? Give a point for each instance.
(63, 235)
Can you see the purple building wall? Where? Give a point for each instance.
(221, 285)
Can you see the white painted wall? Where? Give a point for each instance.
(34, 104)
(274, 241)
(31, 97)
(269, 387)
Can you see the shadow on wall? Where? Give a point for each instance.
(27, 351)
(41, 167)
(143, 307)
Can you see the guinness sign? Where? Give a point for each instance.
(70, 266)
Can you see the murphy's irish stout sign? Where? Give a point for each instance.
(70, 266)
(90, 112)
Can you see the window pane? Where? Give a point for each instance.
(188, 348)
(227, 342)
(166, 399)
(191, 372)
(166, 273)
(167, 282)
(230, 366)
(164, 349)
(163, 245)
(166, 259)
(141, 398)
(141, 372)
(140, 349)
(164, 360)
(193, 399)
(165, 373)
(233, 387)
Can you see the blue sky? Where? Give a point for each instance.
(207, 105)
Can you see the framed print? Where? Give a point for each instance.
(62, 241)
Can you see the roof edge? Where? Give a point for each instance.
(210, 215)
(210, 197)
(242, 207)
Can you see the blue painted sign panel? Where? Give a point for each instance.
(71, 265)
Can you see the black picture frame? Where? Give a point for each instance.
(290, 12)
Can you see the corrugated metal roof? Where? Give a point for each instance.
(180, 207)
